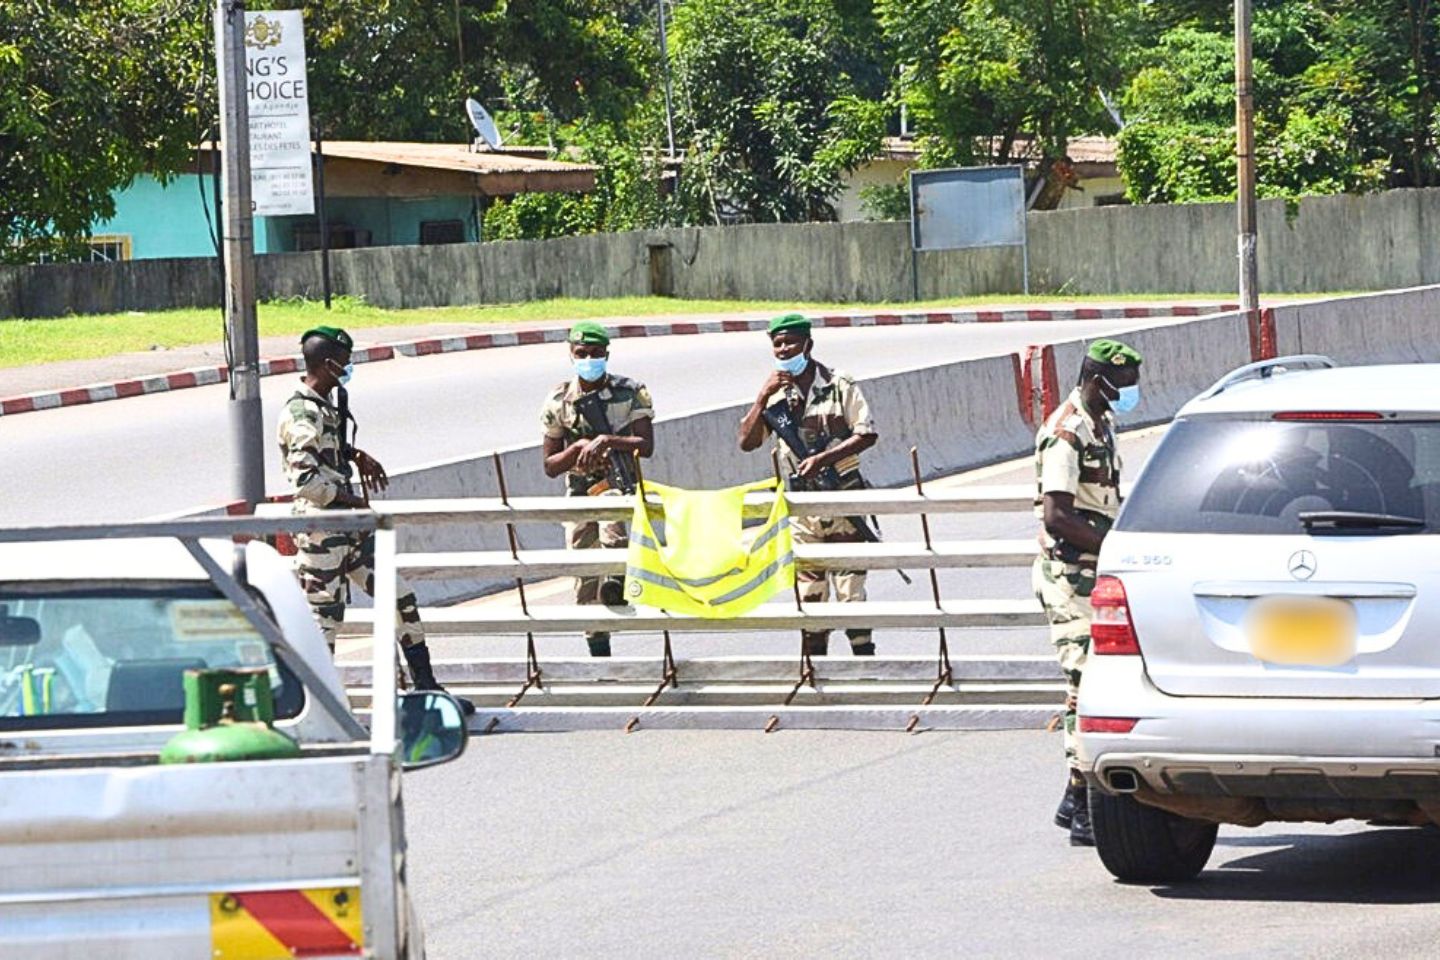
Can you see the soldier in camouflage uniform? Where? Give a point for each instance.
(317, 457)
(828, 406)
(574, 449)
(1077, 466)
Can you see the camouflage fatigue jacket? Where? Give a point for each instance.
(310, 439)
(1077, 455)
(626, 401)
(835, 409)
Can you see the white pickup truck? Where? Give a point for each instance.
(107, 851)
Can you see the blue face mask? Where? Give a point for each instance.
(346, 373)
(1128, 400)
(794, 366)
(589, 369)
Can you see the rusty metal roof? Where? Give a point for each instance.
(457, 168)
(451, 156)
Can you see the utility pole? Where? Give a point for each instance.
(238, 235)
(665, 67)
(1245, 163)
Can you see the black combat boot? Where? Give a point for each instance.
(1081, 834)
(865, 647)
(1074, 796)
(815, 643)
(599, 644)
(422, 674)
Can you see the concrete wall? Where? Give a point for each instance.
(1397, 327)
(54, 290)
(1377, 241)
(1181, 360)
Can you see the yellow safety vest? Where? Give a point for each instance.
(37, 686)
(707, 565)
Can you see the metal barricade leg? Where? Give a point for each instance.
(944, 674)
(669, 677)
(533, 677)
(807, 671)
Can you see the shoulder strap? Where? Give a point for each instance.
(320, 402)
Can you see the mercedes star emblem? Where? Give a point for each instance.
(1302, 565)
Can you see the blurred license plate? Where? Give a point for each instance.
(1302, 631)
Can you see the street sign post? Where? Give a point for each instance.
(238, 229)
(1245, 205)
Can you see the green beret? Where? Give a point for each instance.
(1114, 353)
(588, 331)
(790, 323)
(329, 333)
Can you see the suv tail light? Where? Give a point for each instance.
(1325, 416)
(1111, 631)
(1108, 724)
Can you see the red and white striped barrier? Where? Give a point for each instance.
(205, 376)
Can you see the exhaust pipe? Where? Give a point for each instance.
(1122, 780)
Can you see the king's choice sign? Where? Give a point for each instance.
(280, 181)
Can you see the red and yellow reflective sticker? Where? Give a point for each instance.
(281, 924)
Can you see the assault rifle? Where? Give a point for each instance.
(781, 421)
(620, 469)
(347, 440)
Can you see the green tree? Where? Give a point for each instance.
(977, 75)
(633, 189)
(92, 94)
(401, 69)
(1324, 119)
(776, 99)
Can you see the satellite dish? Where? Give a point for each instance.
(483, 124)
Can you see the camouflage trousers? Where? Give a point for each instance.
(1063, 589)
(588, 536)
(816, 586)
(329, 564)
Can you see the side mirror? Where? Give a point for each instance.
(432, 728)
(19, 631)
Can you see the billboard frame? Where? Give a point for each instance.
(917, 179)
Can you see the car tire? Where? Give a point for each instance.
(1143, 844)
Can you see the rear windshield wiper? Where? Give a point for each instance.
(1357, 520)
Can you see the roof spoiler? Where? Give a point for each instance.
(1266, 369)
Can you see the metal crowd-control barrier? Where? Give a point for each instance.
(696, 691)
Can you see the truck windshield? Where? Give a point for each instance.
(1284, 478)
(81, 657)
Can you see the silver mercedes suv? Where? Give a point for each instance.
(1266, 635)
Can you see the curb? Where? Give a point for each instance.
(207, 376)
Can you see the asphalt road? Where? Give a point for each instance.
(165, 453)
(740, 844)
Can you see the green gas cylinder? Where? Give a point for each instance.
(228, 716)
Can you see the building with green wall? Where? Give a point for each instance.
(376, 194)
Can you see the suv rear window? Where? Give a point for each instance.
(76, 656)
(1256, 477)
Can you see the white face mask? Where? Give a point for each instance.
(1128, 399)
(589, 369)
(794, 366)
